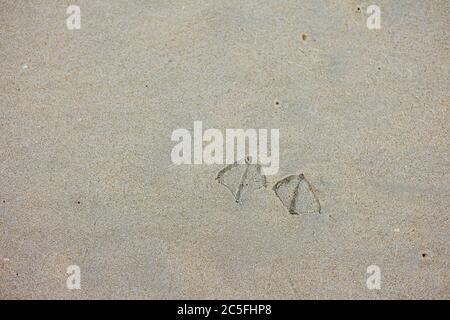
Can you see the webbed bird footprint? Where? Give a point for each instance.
(296, 194)
(241, 178)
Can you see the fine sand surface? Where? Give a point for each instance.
(86, 176)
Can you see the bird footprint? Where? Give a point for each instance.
(241, 178)
(297, 195)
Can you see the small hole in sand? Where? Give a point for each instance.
(424, 255)
(304, 36)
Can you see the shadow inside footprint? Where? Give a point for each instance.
(241, 178)
(296, 194)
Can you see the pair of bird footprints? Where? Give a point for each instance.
(294, 191)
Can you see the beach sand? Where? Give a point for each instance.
(86, 176)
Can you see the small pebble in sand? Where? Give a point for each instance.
(24, 66)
